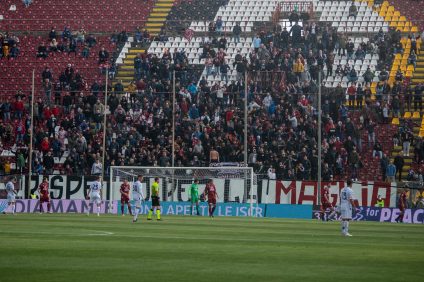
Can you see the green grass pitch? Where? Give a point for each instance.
(78, 248)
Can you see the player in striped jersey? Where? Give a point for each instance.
(11, 193)
(138, 196)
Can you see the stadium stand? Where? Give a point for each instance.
(371, 90)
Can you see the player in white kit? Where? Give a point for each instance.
(346, 205)
(95, 194)
(11, 194)
(138, 196)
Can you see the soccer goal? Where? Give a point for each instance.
(233, 184)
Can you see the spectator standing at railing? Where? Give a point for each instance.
(391, 172)
(48, 162)
(97, 168)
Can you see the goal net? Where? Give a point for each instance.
(233, 184)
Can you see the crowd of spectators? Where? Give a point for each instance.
(283, 70)
(9, 46)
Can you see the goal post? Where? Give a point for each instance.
(234, 184)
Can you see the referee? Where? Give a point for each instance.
(155, 200)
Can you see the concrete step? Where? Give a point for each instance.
(411, 154)
(161, 10)
(125, 73)
(155, 20)
(128, 61)
(150, 24)
(158, 15)
(126, 67)
(153, 29)
(136, 50)
(164, 5)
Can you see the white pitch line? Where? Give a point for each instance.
(101, 233)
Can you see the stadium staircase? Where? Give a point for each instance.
(417, 118)
(155, 22)
(156, 19)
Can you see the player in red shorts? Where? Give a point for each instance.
(402, 204)
(326, 205)
(43, 190)
(210, 191)
(125, 196)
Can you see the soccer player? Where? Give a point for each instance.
(210, 191)
(11, 194)
(94, 192)
(194, 196)
(155, 200)
(346, 205)
(326, 204)
(402, 204)
(138, 196)
(125, 196)
(43, 190)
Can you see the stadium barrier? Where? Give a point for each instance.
(230, 190)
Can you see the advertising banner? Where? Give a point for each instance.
(306, 192)
(415, 216)
(59, 206)
(232, 209)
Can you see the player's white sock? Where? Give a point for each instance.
(136, 213)
(13, 208)
(343, 227)
(347, 227)
(98, 210)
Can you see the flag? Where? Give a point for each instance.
(188, 34)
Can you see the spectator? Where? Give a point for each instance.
(384, 162)
(27, 3)
(236, 32)
(14, 52)
(412, 59)
(377, 150)
(48, 163)
(42, 51)
(406, 137)
(391, 172)
(271, 174)
(219, 25)
(97, 168)
(103, 56)
(353, 10)
(399, 162)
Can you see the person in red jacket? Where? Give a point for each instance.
(47, 113)
(45, 145)
(19, 108)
